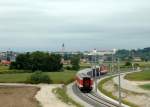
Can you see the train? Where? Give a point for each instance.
(84, 82)
(103, 69)
(100, 70)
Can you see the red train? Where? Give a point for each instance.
(100, 70)
(103, 69)
(84, 82)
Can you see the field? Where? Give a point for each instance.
(56, 77)
(146, 86)
(13, 76)
(139, 76)
(17, 96)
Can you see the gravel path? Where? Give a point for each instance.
(130, 85)
(47, 98)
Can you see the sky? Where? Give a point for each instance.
(30, 25)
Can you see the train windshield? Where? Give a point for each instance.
(86, 82)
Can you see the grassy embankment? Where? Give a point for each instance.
(140, 76)
(110, 94)
(62, 95)
(145, 86)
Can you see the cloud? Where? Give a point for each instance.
(96, 23)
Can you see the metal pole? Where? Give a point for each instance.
(119, 87)
(112, 62)
(133, 66)
(95, 75)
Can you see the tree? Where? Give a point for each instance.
(37, 61)
(75, 61)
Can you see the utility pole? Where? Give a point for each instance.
(95, 74)
(112, 62)
(133, 66)
(119, 87)
(94, 67)
(113, 53)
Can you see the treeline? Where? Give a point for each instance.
(144, 54)
(37, 61)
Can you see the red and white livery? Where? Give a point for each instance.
(84, 82)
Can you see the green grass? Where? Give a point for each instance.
(100, 86)
(62, 95)
(145, 86)
(64, 77)
(3, 68)
(138, 76)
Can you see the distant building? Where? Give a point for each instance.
(137, 59)
(8, 56)
(98, 55)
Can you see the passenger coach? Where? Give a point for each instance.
(84, 82)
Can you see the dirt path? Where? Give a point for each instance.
(141, 100)
(130, 85)
(47, 98)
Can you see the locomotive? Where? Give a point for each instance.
(84, 82)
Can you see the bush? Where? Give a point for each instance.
(136, 65)
(68, 67)
(128, 64)
(39, 77)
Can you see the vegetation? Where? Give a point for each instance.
(64, 77)
(145, 86)
(37, 61)
(75, 61)
(129, 54)
(100, 86)
(3, 68)
(128, 64)
(39, 77)
(139, 76)
(62, 95)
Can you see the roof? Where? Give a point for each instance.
(83, 75)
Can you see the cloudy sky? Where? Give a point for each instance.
(27, 25)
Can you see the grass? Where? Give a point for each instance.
(3, 68)
(62, 95)
(145, 86)
(64, 77)
(138, 76)
(100, 86)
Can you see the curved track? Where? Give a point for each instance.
(93, 99)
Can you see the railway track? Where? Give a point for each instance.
(103, 100)
(94, 99)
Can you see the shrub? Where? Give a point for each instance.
(128, 64)
(68, 67)
(39, 77)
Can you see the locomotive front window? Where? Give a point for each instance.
(86, 82)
